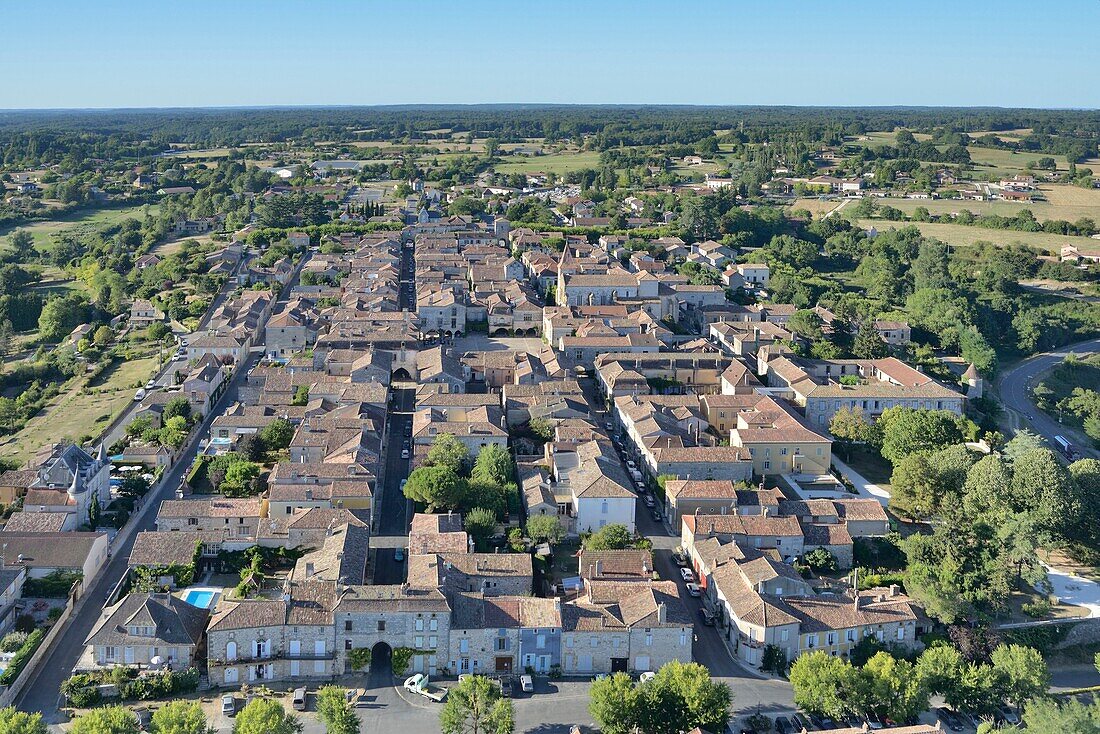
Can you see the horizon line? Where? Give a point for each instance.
(536, 105)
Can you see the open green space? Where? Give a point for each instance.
(43, 231)
(961, 234)
(1043, 210)
(82, 409)
(1009, 161)
(556, 163)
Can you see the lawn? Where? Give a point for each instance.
(556, 163)
(961, 234)
(870, 464)
(42, 231)
(80, 410)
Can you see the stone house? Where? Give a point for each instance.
(145, 631)
(262, 641)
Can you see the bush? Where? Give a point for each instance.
(54, 586)
(1035, 609)
(13, 641)
(359, 658)
(22, 655)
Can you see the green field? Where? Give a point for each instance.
(88, 218)
(556, 163)
(1043, 210)
(961, 234)
(81, 409)
(995, 160)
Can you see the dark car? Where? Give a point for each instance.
(708, 617)
(506, 687)
(802, 721)
(950, 720)
(782, 724)
(655, 514)
(648, 501)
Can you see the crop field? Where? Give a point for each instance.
(81, 410)
(42, 231)
(555, 163)
(961, 234)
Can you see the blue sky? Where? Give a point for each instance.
(130, 53)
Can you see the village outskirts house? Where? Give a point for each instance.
(145, 630)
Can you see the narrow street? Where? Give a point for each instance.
(42, 692)
(394, 511)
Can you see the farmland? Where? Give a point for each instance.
(961, 234)
(1063, 202)
(43, 231)
(1005, 162)
(555, 163)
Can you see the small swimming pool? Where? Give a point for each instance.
(201, 598)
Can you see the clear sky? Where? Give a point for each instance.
(152, 53)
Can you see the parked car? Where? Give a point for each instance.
(708, 617)
(801, 721)
(949, 719)
(506, 686)
(229, 705)
(655, 513)
(527, 684)
(687, 575)
(694, 590)
(151, 385)
(648, 501)
(1010, 716)
(646, 676)
(782, 724)
(399, 554)
(139, 395)
(404, 453)
(679, 558)
(299, 699)
(144, 717)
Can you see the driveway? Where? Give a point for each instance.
(866, 489)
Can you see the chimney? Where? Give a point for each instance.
(599, 568)
(893, 591)
(662, 613)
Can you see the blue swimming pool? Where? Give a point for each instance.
(201, 598)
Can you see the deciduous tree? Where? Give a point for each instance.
(475, 706)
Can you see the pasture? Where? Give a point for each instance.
(42, 232)
(961, 234)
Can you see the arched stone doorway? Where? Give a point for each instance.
(401, 375)
(381, 669)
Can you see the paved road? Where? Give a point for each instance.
(1014, 388)
(165, 377)
(394, 512)
(41, 693)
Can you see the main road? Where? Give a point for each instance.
(1014, 387)
(42, 692)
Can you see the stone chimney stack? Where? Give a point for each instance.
(662, 613)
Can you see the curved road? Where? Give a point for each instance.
(1014, 388)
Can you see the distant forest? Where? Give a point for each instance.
(45, 137)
